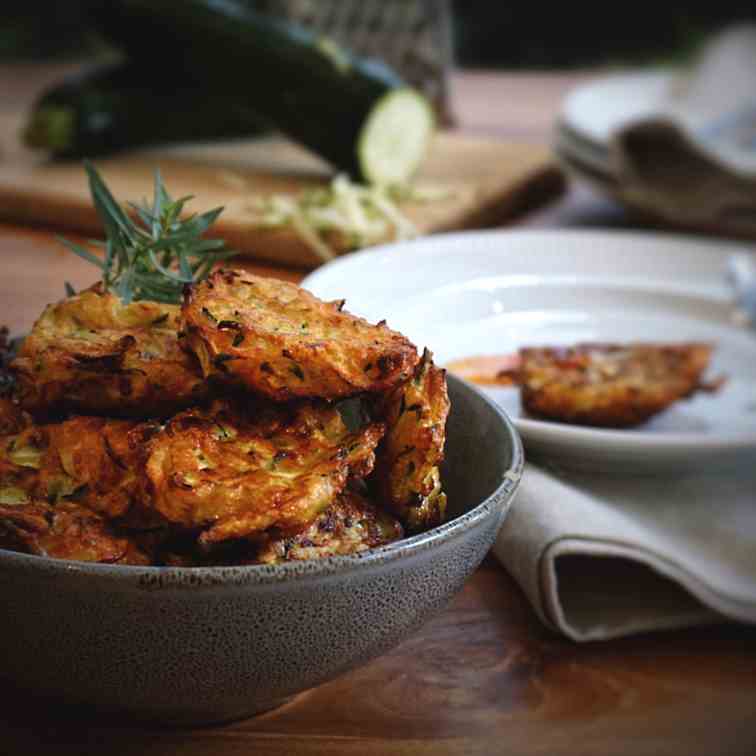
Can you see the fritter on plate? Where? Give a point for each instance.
(609, 385)
(91, 353)
(350, 525)
(65, 530)
(279, 340)
(407, 467)
(240, 468)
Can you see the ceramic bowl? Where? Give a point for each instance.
(202, 645)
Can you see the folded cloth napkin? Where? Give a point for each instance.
(694, 161)
(601, 555)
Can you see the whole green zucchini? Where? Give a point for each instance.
(357, 114)
(127, 105)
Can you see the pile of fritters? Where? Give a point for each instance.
(253, 424)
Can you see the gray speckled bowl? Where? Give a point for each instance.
(203, 645)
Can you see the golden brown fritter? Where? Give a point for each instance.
(236, 469)
(98, 461)
(95, 461)
(609, 385)
(91, 353)
(21, 456)
(407, 472)
(279, 340)
(266, 476)
(65, 530)
(350, 525)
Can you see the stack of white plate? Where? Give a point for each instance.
(593, 112)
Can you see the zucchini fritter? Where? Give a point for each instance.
(65, 530)
(20, 460)
(407, 467)
(271, 473)
(351, 524)
(96, 460)
(279, 340)
(236, 470)
(91, 353)
(609, 385)
(91, 460)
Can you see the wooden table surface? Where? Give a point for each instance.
(484, 676)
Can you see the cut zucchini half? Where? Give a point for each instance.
(394, 138)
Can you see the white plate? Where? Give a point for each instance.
(593, 111)
(492, 292)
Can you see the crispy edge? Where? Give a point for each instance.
(407, 473)
(350, 525)
(201, 505)
(66, 530)
(100, 460)
(288, 365)
(548, 390)
(121, 373)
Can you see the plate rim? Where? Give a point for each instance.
(661, 76)
(424, 245)
(620, 440)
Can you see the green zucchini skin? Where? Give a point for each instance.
(126, 105)
(314, 92)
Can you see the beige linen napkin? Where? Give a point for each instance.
(601, 555)
(694, 162)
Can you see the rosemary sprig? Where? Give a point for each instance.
(154, 254)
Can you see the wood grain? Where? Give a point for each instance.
(483, 677)
(485, 182)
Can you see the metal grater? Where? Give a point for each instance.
(413, 36)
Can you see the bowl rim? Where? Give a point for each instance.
(194, 577)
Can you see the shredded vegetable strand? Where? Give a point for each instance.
(361, 215)
(405, 228)
(309, 235)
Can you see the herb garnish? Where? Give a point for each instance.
(153, 255)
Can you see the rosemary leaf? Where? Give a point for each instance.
(178, 278)
(155, 252)
(207, 245)
(201, 223)
(186, 271)
(144, 214)
(82, 252)
(108, 209)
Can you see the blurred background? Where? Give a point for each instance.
(519, 73)
(485, 34)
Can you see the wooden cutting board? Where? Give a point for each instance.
(488, 183)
